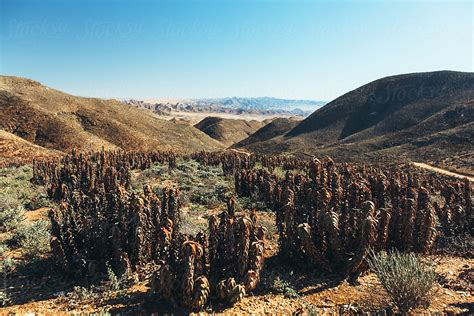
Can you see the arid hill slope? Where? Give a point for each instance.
(56, 120)
(424, 116)
(228, 131)
(16, 150)
(274, 128)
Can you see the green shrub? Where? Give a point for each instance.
(284, 287)
(10, 217)
(33, 238)
(39, 201)
(3, 249)
(113, 282)
(17, 190)
(407, 280)
(209, 196)
(7, 264)
(4, 299)
(252, 203)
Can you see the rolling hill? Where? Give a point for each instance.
(424, 116)
(55, 120)
(16, 150)
(274, 128)
(228, 131)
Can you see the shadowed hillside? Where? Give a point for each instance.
(228, 131)
(56, 120)
(276, 127)
(16, 150)
(424, 116)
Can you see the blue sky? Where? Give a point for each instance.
(171, 49)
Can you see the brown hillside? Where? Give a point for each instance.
(424, 116)
(56, 120)
(15, 150)
(274, 128)
(228, 131)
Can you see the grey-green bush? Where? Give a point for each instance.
(10, 218)
(284, 287)
(4, 299)
(33, 238)
(407, 280)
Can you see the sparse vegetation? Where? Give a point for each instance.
(11, 217)
(33, 238)
(406, 279)
(284, 287)
(199, 185)
(17, 196)
(18, 191)
(4, 299)
(7, 264)
(127, 225)
(41, 111)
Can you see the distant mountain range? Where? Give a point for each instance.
(264, 103)
(232, 105)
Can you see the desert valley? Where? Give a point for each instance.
(201, 157)
(108, 206)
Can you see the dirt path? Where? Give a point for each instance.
(442, 171)
(239, 151)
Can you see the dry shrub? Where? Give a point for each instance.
(405, 278)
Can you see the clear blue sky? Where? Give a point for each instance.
(289, 49)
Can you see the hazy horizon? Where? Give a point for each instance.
(311, 50)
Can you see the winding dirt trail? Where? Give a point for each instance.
(239, 151)
(442, 171)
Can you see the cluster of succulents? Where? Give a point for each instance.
(98, 221)
(455, 214)
(334, 214)
(326, 213)
(101, 225)
(115, 228)
(230, 161)
(226, 265)
(233, 161)
(236, 247)
(82, 171)
(182, 278)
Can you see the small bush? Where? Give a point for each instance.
(4, 299)
(113, 281)
(252, 203)
(116, 283)
(39, 201)
(459, 245)
(10, 218)
(3, 249)
(7, 265)
(80, 294)
(407, 280)
(17, 190)
(211, 197)
(284, 287)
(33, 238)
